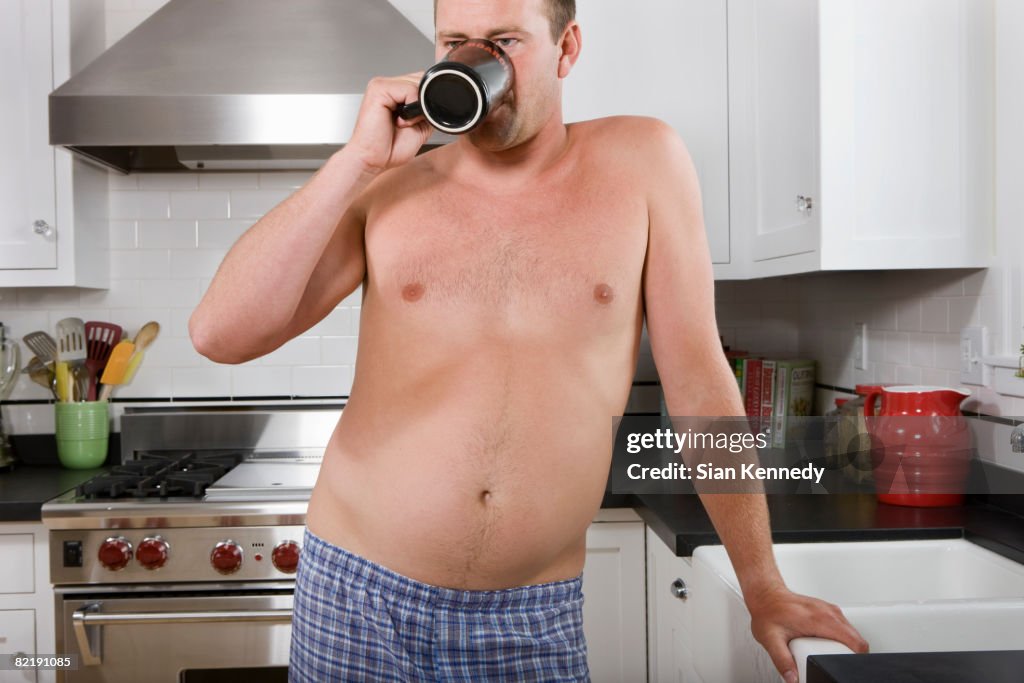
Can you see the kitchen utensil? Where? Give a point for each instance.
(71, 349)
(41, 344)
(117, 365)
(10, 362)
(458, 93)
(144, 338)
(100, 338)
(925, 445)
(42, 374)
(62, 381)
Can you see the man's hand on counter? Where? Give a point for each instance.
(779, 615)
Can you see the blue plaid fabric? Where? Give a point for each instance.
(355, 620)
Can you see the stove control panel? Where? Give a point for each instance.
(174, 554)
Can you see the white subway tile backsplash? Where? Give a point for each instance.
(935, 315)
(338, 350)
(136, 204)
(122, 235)
(964, 312)
(201, 382)
(222, 233)
(947, 351)
(172, 352)
(908, 316)
(298, 351)
(260, 380)
(170, 293)
(256, 203)
(120, 294)
(284, 179)
(121, 181)
(227, 181)
(322, 380)
(896, 348)
(207, 204)
(178, 234)
(139, 263)
(195, 263)
(168, 181)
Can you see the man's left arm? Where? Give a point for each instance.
(697, 381)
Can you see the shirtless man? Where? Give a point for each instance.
(505, 280)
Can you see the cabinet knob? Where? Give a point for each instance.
(679, 589)
(41, 227)
(804, 204)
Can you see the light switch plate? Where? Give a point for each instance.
(972, 347)
(860, 346)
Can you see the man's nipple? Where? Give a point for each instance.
(412, 291)
(603, 294)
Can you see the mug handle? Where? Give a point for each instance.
(869, 403)
(410, 111)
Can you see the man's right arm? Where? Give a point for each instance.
(305, 255)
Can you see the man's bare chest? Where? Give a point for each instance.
(549, 249)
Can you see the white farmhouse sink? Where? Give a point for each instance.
(903, 596)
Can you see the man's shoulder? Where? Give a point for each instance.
(643, 138)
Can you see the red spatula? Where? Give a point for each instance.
(100, 339)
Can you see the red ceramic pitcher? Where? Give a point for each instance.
(922, 445)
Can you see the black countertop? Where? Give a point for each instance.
(918, 667)
(24, 489)
(681, 522)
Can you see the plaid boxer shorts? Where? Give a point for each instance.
(355, 620)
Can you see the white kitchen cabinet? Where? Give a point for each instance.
(614, 615)
(861, 134)
(669, 617)
(666, 59)
(26, 597)
(53, 207)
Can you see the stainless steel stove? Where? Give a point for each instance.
(180, 560)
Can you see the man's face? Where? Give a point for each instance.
(522, 29)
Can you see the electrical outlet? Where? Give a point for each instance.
(860, 346)
(972, 347)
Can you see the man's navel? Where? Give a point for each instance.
(603, 293)
(412, 291)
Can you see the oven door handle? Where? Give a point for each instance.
(89, 618)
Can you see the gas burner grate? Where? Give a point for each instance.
(161, 475)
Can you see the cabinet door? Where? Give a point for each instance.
(27, 191)
(614, 614)
(666, 59)
(18, 636)
(774, 126)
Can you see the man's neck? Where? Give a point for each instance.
(519, 164)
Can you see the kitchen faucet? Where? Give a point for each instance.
(1017, 438)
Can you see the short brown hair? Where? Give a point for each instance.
(560, 13)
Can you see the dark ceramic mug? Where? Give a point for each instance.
(458, 92)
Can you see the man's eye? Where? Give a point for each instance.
(452, 44)
(506, 42)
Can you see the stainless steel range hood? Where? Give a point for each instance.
(234, 84)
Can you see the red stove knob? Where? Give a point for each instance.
(115, 553)
(152, 553)
(286, 556)
(226, 557)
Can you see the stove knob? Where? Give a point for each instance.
(226, 557)
(286, 556)
(152, 553)
(115, 553)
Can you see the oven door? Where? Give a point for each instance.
(176, 636)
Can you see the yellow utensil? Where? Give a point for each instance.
(144, 338)
(117, 366)
(63, 376)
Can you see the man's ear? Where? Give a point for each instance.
(571, 44)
